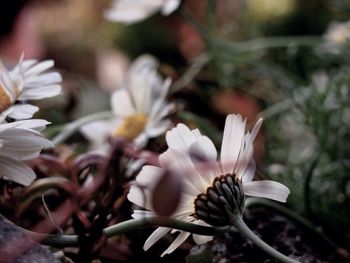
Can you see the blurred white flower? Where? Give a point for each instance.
(20, 141)
(26, 81)
(338, 33)
(139, 105)
(233, 172)
(128, 12)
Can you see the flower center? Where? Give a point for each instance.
(5, 99)
(131, 126)
(224, 197)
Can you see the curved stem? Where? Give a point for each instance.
(291, 214)
(72, 127)
(249, 234)
(127, 226)
(307, 187)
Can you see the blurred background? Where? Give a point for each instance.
(285, 60)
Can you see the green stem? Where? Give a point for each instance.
(245, 231)
(72, 127)
(251, 201)
(307, 187)
(268, 42)
(128, 226)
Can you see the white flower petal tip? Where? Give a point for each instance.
(20, 141)
(155, 236)
(28, 80)
(170, 6)
(129, 12)
(267, 189)
(179, 240)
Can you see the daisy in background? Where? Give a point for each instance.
(21, 141)
(128, 12)
(207, 191)
(139, 106)
(28, 80)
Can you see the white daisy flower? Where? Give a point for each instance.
(26, 81)
(20, 141)
(139, 106)
(128, 12)
(229, 178)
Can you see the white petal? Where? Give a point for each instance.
(16, 171)
(204, 148)
(180, 138)
(140, 196)
(232, 142)
(97, 132)
(255, 131)
(247, 154)
(140, 192)
(160, 109)
(181, 164)
(149, 176)
(22, 111)
(249, 172)
(140, 91)
(128, 12)
(201, 239)
(156, 129)
(44, 80)
(155, 236)
(177, 242)
(121, 103)
(22, 144)
(36, 124)
(40, 92)
(39, 68)
(141, 140)
(143, 63)
(138, 214)
(267, 189)
(170, 6)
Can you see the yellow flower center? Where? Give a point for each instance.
(5, 99)
(131, 126)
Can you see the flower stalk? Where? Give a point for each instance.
(62, 240)
(238, 222)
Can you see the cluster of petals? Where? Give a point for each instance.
(143, 94)
(186, 147)
(128, 12)
(21, 141)
(28, 80)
